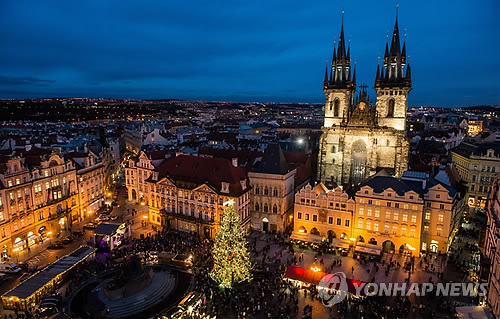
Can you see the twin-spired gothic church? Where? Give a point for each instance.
(360, 138)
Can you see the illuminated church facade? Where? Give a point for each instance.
(360, 138)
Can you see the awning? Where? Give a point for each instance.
(315, 239)
(19, 243)
(311, 277)
(340, 243)
(106, 229)
(368, 249)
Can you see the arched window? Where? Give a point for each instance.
(333, 149)
(257, 207)
(275, 209)
(275, 192)
(336, 108)
(331, 106)
(265, 208)
(390, 108)
(266, 191)
(257, 190)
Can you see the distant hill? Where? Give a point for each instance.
(483, 108)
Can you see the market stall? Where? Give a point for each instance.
(29, 292)
(309, 277)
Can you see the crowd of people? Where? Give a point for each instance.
(270, 294)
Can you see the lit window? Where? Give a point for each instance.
(394, 230)
(360, 224)
(403, 231)
(405, 218)
(440, 218)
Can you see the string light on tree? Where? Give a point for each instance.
(231, 258)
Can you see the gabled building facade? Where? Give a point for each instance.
(188, 193)
(38, 195)
(477, 164)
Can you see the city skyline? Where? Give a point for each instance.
(252, 52)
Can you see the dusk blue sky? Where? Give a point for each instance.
(242, 50)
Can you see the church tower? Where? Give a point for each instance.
(392, 86)
(360, 139)
(338, 85)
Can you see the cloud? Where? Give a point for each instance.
(23, 81)
(196, 48)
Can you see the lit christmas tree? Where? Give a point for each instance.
(231, 258)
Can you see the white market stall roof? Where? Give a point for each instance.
(49, 273)
(315, 239)
(340, 243)
(368, 249)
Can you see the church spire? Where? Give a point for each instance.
(394, 60)
(354, 76)
(408, 73)
(326, 75)
(403, 53)
(340, 76)
(395, 44)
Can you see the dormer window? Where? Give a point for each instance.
(225, 187)
(243, 184)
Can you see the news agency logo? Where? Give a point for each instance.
(333, 288)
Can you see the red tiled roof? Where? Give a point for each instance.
(75, 155)
(34, 151)
(156, 155)
(201, 170)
